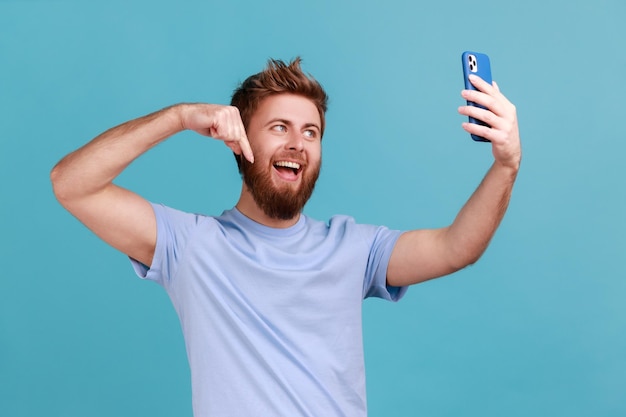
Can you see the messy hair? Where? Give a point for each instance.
(278, 78)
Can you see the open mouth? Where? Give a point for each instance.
(288, 170)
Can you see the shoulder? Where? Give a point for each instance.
(345, 226)
(349, 223)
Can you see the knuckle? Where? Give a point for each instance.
(491, 103)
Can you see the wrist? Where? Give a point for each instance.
(507, 170)
(176, 114)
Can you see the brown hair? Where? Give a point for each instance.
(278, 78)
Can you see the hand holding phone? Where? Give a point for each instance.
(478, 64)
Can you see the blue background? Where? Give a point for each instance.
(536, 327)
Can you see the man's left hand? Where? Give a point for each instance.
(500, 114)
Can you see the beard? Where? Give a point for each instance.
(281, 202)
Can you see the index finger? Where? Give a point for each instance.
(486, 88)
(481, 84)
(246, 150)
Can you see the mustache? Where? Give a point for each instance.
(294, 156)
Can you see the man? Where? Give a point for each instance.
(269, 299)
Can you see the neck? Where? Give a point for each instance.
(248, 207)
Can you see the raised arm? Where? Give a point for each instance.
(420, 255)
(83, 180)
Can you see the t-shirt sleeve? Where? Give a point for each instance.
(375, 284)
(174, 228)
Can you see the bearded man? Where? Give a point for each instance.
(269, 299)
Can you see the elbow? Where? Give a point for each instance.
(473, 258)
(59, 183)
(55, 180)
(465, 250)
(466, 258)
(471, 261)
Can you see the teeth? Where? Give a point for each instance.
(287, 164)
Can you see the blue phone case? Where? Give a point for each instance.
(476, 63)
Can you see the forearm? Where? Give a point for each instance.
(93, 167)
(476, 223)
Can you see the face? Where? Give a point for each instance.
(285, 137)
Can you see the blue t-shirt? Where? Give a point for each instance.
(272, 317)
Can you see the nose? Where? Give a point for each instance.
(295, 141)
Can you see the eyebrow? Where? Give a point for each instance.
(289, 123)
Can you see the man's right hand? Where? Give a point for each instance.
(219, 122)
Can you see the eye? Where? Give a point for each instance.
(279, 128)
(310, 134)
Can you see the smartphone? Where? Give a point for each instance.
(476, 63)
